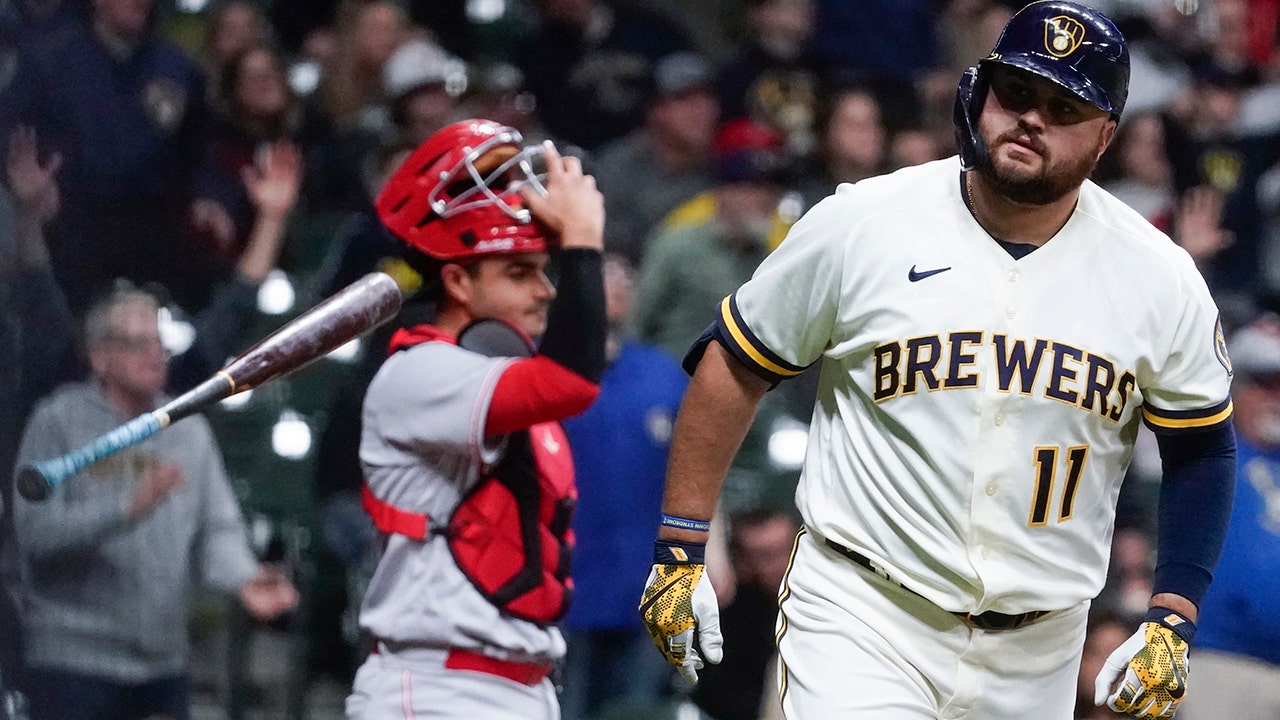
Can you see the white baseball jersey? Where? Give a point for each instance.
(976, 412)
(422, 448)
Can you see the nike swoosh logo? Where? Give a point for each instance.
(914, 275)
(654, 598)
(1179, 687)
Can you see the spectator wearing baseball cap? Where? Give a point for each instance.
(422, 83)
(664, 162)
(1238, 637)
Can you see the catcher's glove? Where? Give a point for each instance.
(1154, 665)
(678, 602)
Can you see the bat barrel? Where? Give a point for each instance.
(352, 311)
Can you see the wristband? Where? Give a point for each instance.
(686, 523)
(672, 552)
(1175, 621)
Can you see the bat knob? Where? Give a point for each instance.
(33, 485)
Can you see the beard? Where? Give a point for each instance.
(1046, 186)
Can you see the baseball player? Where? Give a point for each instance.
(467, 471)
(991, 329)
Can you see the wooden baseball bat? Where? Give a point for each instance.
(347, 314)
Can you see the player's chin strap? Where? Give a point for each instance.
(1151, 666)
(679, 607)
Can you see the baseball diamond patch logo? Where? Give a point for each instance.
(1062, 35)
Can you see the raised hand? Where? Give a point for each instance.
(1198, 227)
(275, 178)
(31, 182)
(572, 209)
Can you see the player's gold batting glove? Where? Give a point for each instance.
(679, 604)
(1151, 666)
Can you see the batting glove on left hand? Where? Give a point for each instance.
(1154, 665)
(679, 602)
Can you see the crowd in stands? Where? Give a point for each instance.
(195, 152)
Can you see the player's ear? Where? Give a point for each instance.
(457, 283)
(1108, 134)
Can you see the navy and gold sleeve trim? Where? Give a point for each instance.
(1174, 421)
(732, 332)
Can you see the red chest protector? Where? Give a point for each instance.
(510, 534)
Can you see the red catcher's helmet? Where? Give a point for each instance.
(455, 198)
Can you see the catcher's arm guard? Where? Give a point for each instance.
(1151, 666)
(679, 602)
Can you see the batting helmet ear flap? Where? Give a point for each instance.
(971, 93)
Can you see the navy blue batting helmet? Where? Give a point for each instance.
(1070, 44)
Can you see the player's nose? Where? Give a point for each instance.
(1032, 117)
(546, 290)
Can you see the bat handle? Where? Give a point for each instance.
(36, 482)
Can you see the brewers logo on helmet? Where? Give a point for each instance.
(1062, 35)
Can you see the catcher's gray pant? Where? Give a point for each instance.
(417, 686)
(856, 646)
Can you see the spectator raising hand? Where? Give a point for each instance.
(30, 181)
(274, 180)
(1198, 228)
(272, 183)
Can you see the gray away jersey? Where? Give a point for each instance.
(422, 448)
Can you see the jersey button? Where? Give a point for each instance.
(985, 552)
(1013, 276)
(991, 489)
(999, 418)
(1010, 312)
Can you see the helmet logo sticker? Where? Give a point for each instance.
(1062, 35)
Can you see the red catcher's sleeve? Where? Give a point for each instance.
(535, 390)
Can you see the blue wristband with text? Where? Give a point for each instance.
(686, 523)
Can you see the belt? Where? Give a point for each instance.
(525, 673)
(989, 620)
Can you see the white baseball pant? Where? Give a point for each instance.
(856, 646)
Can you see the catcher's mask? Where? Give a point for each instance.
(456, 197)
(1070, 44)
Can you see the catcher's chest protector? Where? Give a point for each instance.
(510, 535)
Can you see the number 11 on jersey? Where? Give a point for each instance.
(1046, 462)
